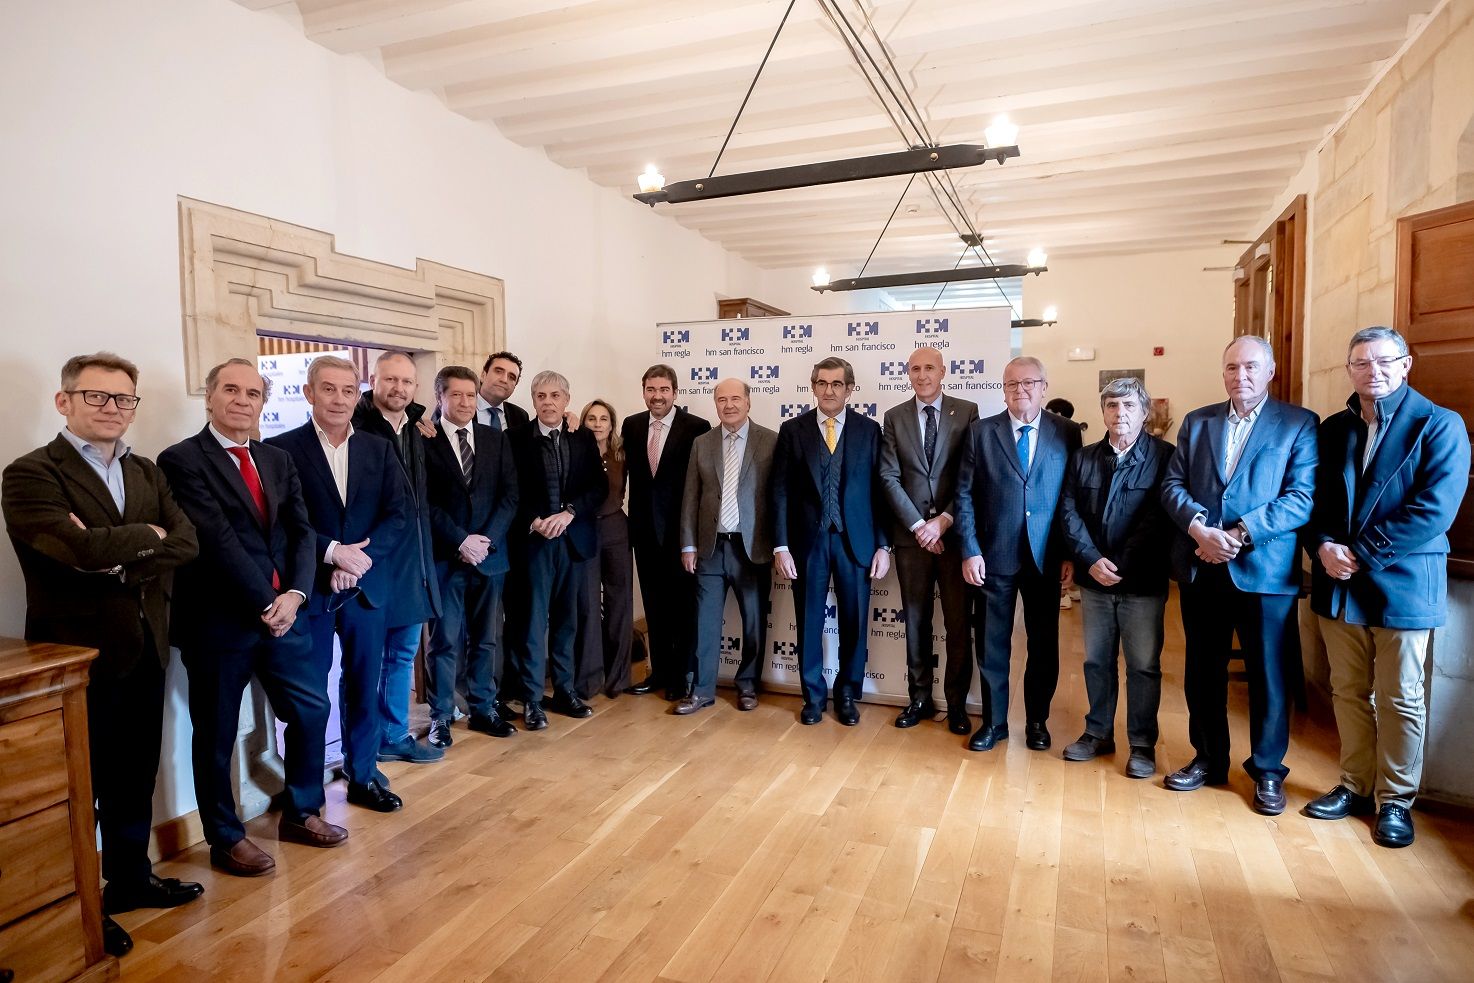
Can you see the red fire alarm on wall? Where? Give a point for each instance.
(1159, 350)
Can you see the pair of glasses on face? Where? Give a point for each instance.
(1365, 364)
(830, 387)
(96, 397)
(1027, 385)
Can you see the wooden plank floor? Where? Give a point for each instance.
(741, 846)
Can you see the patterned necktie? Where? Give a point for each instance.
(652, 446)
(1023, 447)
(252, 478)
(929, 442)
(829, 439)
(468, 456)
(731, 464)
(557, 465)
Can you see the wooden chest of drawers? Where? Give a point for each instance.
(50, 901)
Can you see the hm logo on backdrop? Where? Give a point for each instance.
(790, 410)
(888, 616)
(735, 334)
(704, 374)
(730, 643)
(866, 409)
(291, 389)
(270, 418)
(892, 370)
(793, 332)
(675, 338)
(931, 325)
(763, 372)
(967, 367)
(863, 329)
(266, 365)
(789, 649)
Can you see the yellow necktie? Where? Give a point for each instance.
(829, 440)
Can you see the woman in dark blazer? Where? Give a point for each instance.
(604, 648)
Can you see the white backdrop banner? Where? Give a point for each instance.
(774, 356)
(287, 408)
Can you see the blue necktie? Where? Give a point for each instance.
(493, 418)
(1023, 447)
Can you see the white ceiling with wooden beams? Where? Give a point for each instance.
(1144, 124)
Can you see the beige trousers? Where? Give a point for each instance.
(1377, 693)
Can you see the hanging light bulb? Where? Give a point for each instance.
(1038, 258)
(1051, 313)
(820, 277)
(651, 181)
(1002, 132)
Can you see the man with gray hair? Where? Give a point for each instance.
(561, 485)
(1238, 489)
(1393, 470)
(1112, 514)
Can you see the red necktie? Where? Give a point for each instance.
(253, 485)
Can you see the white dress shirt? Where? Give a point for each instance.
(1236, 430)
(728, 493)
(338, 465)
(450, 431)
(1016, 424)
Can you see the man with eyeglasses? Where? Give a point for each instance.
(1393, 469)
(98, 536)
(1238, 489)
(828, 525)
(1008, 494)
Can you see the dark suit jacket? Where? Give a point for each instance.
(486, 507)
(655, 500)
(1000, 509)
(219, 598)
(1112, 507)
(1395, 516)
(378, 507)
(701, 506)
(585, 487)
(1270, 492)
(798, 486)
(67, 600)
(414, 597)
(912, 488)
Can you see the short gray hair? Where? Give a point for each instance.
(1126, 386)
(1263, 343)
(328, 362)
(1377, 333)
(1029, 360)
(212, 378)
(549, 376)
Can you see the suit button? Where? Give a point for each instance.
(1027, 513)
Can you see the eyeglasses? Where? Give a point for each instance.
(1365, 364)
(1027, 385)
(96, 397)
(839, 385)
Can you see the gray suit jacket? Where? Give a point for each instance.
(701, 506)
(915, 491)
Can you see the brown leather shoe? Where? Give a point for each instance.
(747, 701)
(311, 831)
(244, 859)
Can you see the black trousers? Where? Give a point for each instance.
(606, 614)
(828, 557)
(217, 681)
(728, 568)
(993, 625)
(465, 638)
(669, 595)
(554, 582)
(125, 722)
(921, 574)
(1213, 609)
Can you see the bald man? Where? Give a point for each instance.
(920, 455)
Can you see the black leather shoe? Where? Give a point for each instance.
(1142, 763)
(533, 717)
(957, 722)
(747, 701)
(491, 723)
(1339, 803)
(439, 735)
(155, 892)
(373, 796)
(504, 710)
(1394, 827)
(1192, 777)
(570, 706)
(846, 712)
(115, 941)
(987, 737)
(810, 714)
(640, 689)
(1036, 736)
(914, 713)
(1269, 796)
(1089, 746)
(677, 693)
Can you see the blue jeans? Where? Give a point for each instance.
(1131, 623)
(400, 646)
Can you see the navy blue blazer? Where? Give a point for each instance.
(1270, 492)
(585, 486)
(486, 507)
(999, 507)
(378, 507)
(1395, 516)
(798, 486)
(219, 597)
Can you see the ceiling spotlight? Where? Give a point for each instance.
(820, 277)
(1003, 132)
(1037, 258)
(1051, 314)
(651, 181)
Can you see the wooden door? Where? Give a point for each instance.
(1269, 297)
(1435, 312)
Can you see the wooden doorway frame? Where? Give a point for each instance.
(1269, 297)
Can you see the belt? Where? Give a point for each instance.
(729, 537)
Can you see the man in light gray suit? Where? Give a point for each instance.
(727, 541)
(920, 453)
